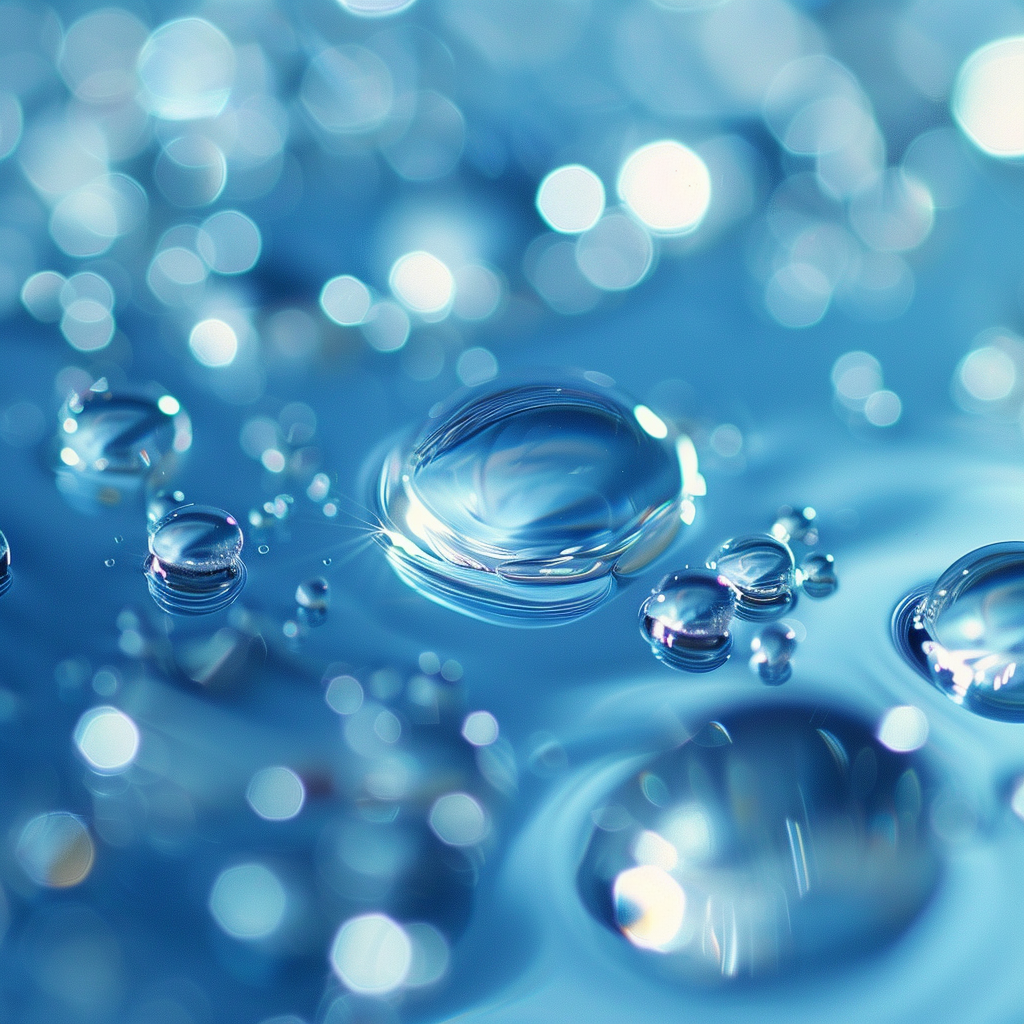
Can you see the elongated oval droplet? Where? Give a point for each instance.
(525, 504)
(761, 568)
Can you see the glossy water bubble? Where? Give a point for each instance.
(761, 568)
(775, 841)
(772, 649)
(817, 575)
(525, 504)
(194, 566)
(967, 633)
(313, 596)
(109, 443)
(5, 563)
(686, 619)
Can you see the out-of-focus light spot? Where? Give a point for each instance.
(186, 69)
(213, 343)
(97, 60)
(550, 266)
(40, 295)
(371, 954)
(649, 906)
(650, 421)
(276, 793)
(988, 98)
(421, 282)
(798, 295)
(571, 199)
(883, 408)
(191, 171)
(855, 376)
(69, 457)
(615, 254)
(480, 728)
(939, 159)
(345, 300)
(893, 214)
(229, 242)
(458, 820)
(478, 291)
(248, 901)
(476, 366)
(903, 729)
(87, 325)
(987, 374)
(386, 327)
(430, 955)
(432, 143)
(11, 123)
(174, 273)
(55, 850)
(347, 90)
(726, 440)
(877, 286)
(654, 849)
(87, 221)
(1017, 799)
(344, 695)
(375, 8)
(667, 186)
(168, 405)
(273, 460)
(108, 739)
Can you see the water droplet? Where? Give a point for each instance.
(5, 564)
(817, 575)
(158, 505)
(118, 539)
(686, 620)
(313, 596)
(967, 634)
(109, 563)
(264, 549)
(525, 504)
(194, 565)
(793, 524)
(742, 868)
(327, 561)
(772, 649)
(761, 569)
(109, 443)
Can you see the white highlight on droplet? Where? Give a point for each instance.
(667, 186)
(650, 421)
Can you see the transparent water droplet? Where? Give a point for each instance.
(108, 444)
(327, 561)
(525, 504)
(967, 633)
(109, 563)
(686, 620)
(5, 564)
(817, 575)
(194, 566)
(742, 866)
(761, 568)
(118, 539)
(793, 524)
(772, 648)
(313, 596)
(158, 505)
(264, 549)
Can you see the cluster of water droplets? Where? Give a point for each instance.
(687, 619)
(527, 503)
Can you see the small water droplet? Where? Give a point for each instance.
(793, 524)
(159, 504)
(109, 563)
(762, 570)
(686, 620)
(772, 648)
(264, 549)
(817, 575)
(5, 564)
(525, 504)
(194, 565)
(327, 561)
(118, 539)
(966, 634)
(740, 868)
(313, 596)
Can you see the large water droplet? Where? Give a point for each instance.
(686, 620)
(524, 505)
(772, 650)
(967, 633)
(767, 851)
(5, 563)
(108, 444)
(761, 568)
(194, 565)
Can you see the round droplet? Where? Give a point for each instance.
(313, 596)
(263, 549)
(772, 650)
(56, 850)
(970, 631)
(761, 569)
(526, 503)
(194, 565)
(768, 850)
(5, 564)
(686, 620)
(817, 575)
(109, 563)
(794, 524)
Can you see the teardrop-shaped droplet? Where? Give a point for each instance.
(767, 852)
(817, 575)
(194, 566)
(686, 620)
(761, 568)
(5, 563)
(523, 505)
(772, 649)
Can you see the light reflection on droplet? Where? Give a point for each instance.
(988, 98)
(108, 739)
(248, 901)
(571, 199)
(649, 906)
(667, 186)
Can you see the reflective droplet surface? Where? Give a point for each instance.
(109, 443)
(773, 850)
(313, 596)
(772, 648)
(194, 566)
(686, 620)
(817, 575)
(970, 631)
(5, 563)
(795, 524)
(761, 568)
(525, 504)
